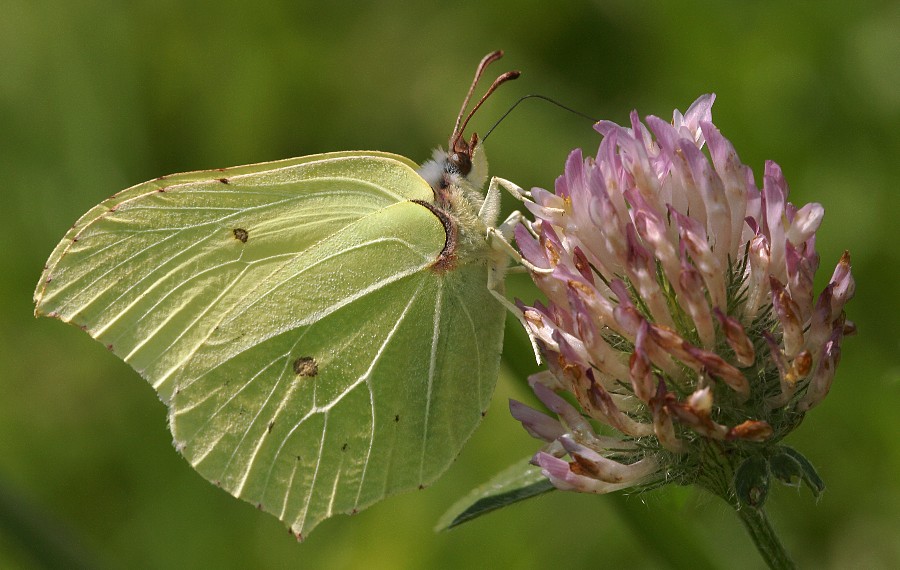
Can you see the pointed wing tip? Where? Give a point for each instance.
(297, 534)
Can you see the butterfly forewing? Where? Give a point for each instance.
(152, 271)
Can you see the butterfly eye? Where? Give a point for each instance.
(459, 163)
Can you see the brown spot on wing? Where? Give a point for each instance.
(241, 234)
(306, 366)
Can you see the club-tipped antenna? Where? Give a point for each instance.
(537, 96)
(462, 120)
(485, 61)
(508, 76)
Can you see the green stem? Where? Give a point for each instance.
(764, 537)
(716, 474)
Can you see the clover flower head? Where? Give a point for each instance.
(680, 313)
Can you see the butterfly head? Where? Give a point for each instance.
(461, 167)
(463, 164)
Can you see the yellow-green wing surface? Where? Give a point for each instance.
(312, 358)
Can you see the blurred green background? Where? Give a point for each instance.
(99, 95)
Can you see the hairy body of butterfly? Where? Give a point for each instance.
(325, 331)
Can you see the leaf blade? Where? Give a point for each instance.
(514, 484)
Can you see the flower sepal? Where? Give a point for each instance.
(753, 476)
(751, 482)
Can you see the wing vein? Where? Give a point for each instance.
(432, 367)
(366, 375)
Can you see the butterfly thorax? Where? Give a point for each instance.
(458, 194)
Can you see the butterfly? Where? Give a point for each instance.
(324, 330)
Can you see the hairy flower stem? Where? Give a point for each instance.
(716, 474)
(757, 523)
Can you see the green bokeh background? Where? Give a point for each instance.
(98, 95)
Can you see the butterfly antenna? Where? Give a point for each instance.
(536, 96)
(485, 61)
(462, 120)
(508, 76)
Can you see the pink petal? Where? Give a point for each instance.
(775, 193)
(737, 338)
(844, 285)
(537, 424)
(698, 113)
(805, 223)
(605, 469)
(820, 383)
(789, 316)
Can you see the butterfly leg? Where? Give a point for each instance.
(499, 241)
(499, 238)
(519, 194)
(514, 189)
(490, 209)
(496, 275)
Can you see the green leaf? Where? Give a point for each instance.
(751, 481)
(516, 483)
